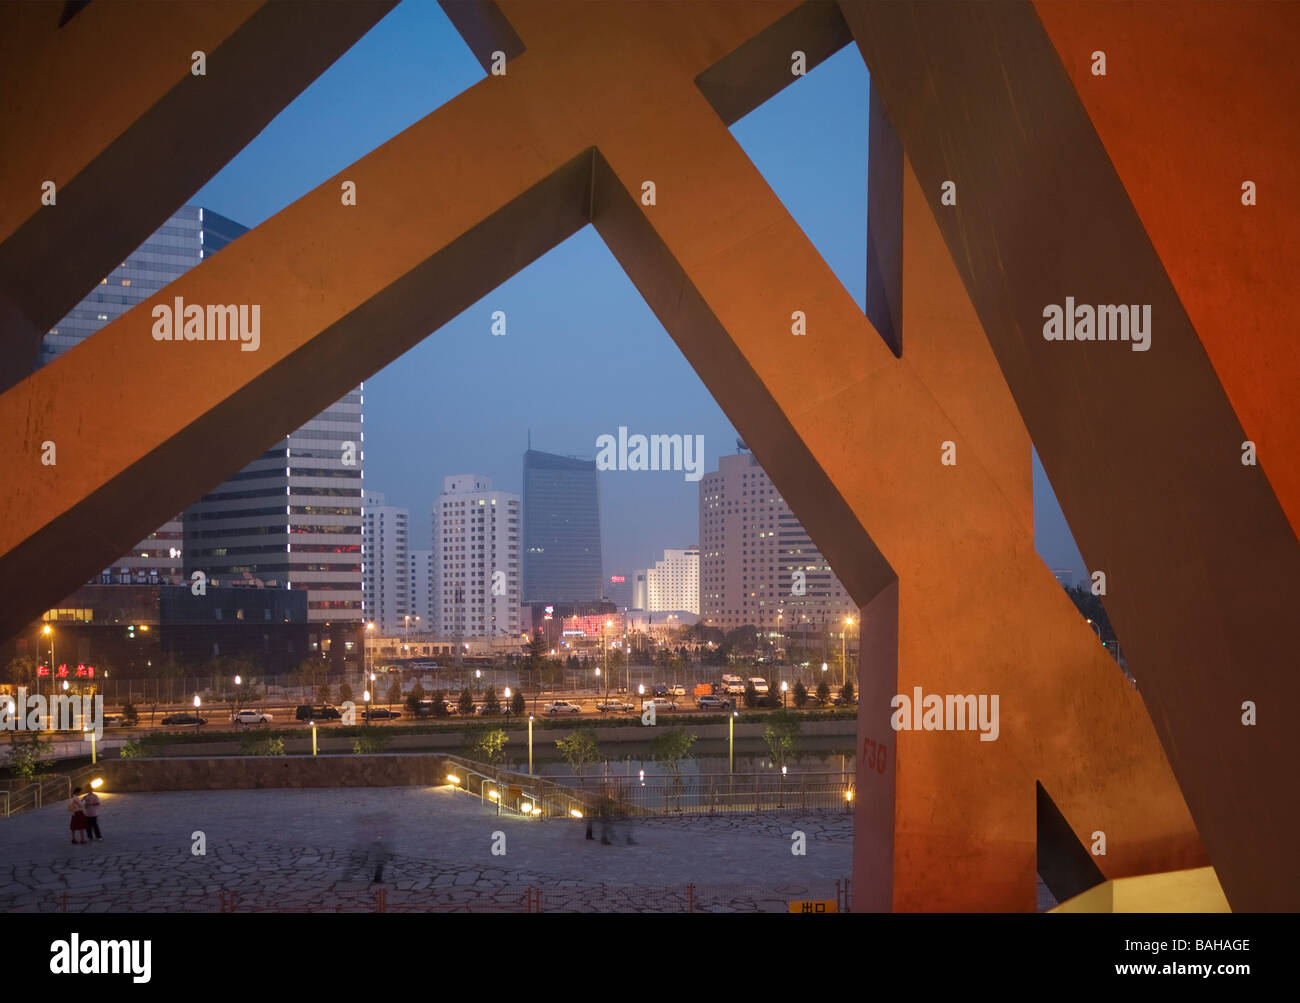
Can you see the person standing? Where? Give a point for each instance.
(90, 805)
(78, 813)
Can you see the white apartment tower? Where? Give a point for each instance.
(673, 584)
(387, 562)
(757, 563)
(477, 553)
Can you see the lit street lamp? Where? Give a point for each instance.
(48, 632)
(731, 742)
(844, 665)
(197, 704)
(784, 686)
(530, 745)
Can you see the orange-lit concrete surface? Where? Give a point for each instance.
(1143, 448)
(103, 103)
(603, 98)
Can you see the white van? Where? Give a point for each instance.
(760, 685)
(733, 685)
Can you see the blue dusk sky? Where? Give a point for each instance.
(583, 353)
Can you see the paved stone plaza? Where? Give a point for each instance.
(316, 850)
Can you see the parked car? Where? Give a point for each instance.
(614, 705)
(677, 690)
(712, 703)
(251, 717)
(659, 690)
(733, 685)
(306, 712)
(662, 703)
(562, 707)
(184, 719)
(380, 714)
(760, 684)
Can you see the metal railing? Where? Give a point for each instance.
(695, 794)
(40, 792)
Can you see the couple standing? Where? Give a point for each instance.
(85, 816)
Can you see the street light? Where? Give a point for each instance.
(731, 742)
(530, 745)
(640, 689)
(844, 665)
(48, 632)
(507, 695)
(784, 687)
(197, 704)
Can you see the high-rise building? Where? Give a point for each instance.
(292, 517)
(387, 561)
(476, 559)
(757, 563)
(189, 236)
(640, 600)
(673, 584)
(422, 590)
(562, 557)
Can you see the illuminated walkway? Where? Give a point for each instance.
(292, 850)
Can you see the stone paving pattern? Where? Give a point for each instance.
(314, 850)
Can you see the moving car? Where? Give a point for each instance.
(380, 714)
(661, 703)
(251, 717)
(562, 707)
(184, 719)
(712, 703)
(306, 712)
(613, 705)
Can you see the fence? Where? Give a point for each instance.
(682, 898)
(27, 795)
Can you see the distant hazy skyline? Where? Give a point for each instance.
(583, 354)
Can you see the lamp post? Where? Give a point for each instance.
(198, 721)
(507, 696)
(365, 651)
(530, 745)
(784, 686)
(48, 631)
(844, 665)
(640, 690)
(731, 742)
(313, 737)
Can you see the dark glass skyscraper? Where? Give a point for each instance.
(562, 560)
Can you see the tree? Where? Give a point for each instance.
(751, 695)
(394, 691)
(25, 750)
(782, 737)
(846, 691)
(130, 716)
(670, 748)
(417, 691)
(466, 702)
(323, 693)
(823, 692)
(579, 748)
(800, 694)
(345, 693)
(439, 703)
(486, 744)
(517, 704)
(22, 671)
(490, 700)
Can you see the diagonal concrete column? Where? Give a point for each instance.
(107, 109)
(1144, 448)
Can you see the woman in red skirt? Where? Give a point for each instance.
(78, 817)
